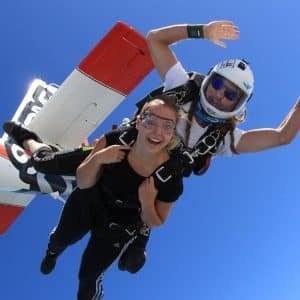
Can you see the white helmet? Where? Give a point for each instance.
(237, 72)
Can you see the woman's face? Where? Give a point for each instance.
(156, 126)
(222, 94)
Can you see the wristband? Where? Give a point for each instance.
(195, 31)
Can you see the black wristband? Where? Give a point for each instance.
(195, 31)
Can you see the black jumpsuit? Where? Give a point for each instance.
(111, 212)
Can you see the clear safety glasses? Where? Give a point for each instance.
(150, 121)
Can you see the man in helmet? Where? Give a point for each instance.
(222, 94)
(226, 90)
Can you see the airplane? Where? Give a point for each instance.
(100, 82)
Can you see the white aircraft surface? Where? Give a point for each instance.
(67, 114)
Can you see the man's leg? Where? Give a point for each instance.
(46, 159)
(22, 136)
(59, 163)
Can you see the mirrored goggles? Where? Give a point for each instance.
(150, 121)
(218, 83)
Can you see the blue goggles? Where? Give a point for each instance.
(218, 83)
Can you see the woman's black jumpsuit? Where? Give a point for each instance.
(110, 211)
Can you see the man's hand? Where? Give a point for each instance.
(217, 30)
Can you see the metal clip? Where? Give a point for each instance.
(189, 156)
(159, 176)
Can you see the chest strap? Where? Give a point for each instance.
(197, 159)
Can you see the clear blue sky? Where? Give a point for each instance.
(234, 234)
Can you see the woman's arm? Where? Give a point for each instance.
(266, 138)
(154, 212)
(89, 171)
(160, 39)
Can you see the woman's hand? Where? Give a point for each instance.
(154, 212)
(217, 30)
(147, 192)
(111, 154)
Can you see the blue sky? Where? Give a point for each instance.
(234, 234)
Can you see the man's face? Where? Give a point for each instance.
(223, 94)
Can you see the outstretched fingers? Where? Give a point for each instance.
(216, 31)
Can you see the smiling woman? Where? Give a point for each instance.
(127, 183)
(121, 188)
(158, 118)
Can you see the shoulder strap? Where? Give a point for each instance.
(166, 171)
(184, 93)
(125, 135)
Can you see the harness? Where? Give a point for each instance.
(185, 93)
(196, 159)
(163, 174)
(128, 230)
(171, 168)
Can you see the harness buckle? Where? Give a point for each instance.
(119, 202)
(122, 140)
(157, 173)
(179, 95)
(118, 227)
(209, 142)
(130, 233)
(189, 156)
(114, 226)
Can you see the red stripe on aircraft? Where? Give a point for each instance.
(120, 60)
(3, 152)
(8, 213)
